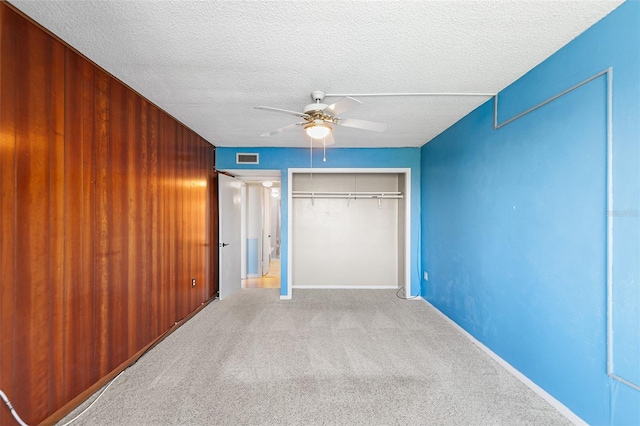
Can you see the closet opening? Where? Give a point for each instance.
(349, 229)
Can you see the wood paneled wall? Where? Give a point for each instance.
(108, 212)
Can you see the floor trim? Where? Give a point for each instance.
(563, 409)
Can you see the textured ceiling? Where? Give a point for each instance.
(208, 63)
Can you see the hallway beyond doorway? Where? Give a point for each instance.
(270, 280)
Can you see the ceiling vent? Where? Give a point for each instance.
(247, 158)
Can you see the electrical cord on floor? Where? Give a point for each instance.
(405, 298)
(13, 411)
(22, 423)
(95, 400)
(114, 379)
(111, 382)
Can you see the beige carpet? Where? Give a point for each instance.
(326, 357)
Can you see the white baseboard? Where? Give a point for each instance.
(570, 415)
(345, 287)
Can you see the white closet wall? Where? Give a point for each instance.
(347, 243)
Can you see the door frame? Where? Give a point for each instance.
(249, 176)
(407, 226)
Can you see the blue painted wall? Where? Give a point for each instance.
(514, 223)
(284, 159)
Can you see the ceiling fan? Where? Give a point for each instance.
(319, 118)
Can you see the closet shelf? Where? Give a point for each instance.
(347, 195)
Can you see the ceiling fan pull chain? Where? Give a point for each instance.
(324, 150)
(311, 169)
(311, 161)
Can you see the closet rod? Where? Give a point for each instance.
(346, 196)
(347, 193)
(359, 197)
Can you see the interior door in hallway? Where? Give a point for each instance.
(230, 201)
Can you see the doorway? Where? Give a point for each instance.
(260, 233)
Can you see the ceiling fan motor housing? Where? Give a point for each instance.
(317, 95)
(319, 117)
(314, 107)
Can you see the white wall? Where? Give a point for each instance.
(266, 230)
(275, 227)
(345, 243)
(254, 230)
(243, 232)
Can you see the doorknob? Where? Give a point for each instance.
(224, 244)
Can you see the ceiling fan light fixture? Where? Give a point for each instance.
(318, 130)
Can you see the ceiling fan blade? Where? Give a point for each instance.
(282, 129)
(362, 124)
(341, 106)
(284, 111)
(328, 140)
